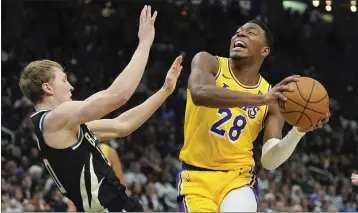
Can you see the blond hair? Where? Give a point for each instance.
(34, 75)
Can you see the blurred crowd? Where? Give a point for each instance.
(94, 40)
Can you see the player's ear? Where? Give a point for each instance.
(265, 51)
(47, 88)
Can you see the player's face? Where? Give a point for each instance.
(248, 41)
(59, 87)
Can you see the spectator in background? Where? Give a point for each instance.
(136, 175)
(355, 179)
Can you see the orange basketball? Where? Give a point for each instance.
(306, 105)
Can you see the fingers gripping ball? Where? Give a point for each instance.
(306, 105)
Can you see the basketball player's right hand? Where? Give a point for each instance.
(172, 75)
(146, 30)
(275, 93)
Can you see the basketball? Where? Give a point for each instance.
(306, 105)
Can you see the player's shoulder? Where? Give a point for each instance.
(58, 118)
(203, 57)
(205, 62)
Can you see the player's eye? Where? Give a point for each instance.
(251, 33)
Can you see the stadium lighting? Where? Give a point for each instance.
(353, 6)
(328, 5)
(315, 3)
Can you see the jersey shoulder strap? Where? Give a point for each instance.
(37, 119)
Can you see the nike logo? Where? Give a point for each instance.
(226, 77)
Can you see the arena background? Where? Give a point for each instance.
(94, 40)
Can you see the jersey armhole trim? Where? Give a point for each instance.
(41, 123)
(79, 139)
(219, 69)
(266, 110)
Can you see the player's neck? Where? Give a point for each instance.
(46, 104)
(246, 71)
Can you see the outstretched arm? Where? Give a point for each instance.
(204, 91)
(127, 82)
(126, 123)
(72, 113)
(276, 150)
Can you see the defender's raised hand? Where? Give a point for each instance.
(146, 30)
(172, 75)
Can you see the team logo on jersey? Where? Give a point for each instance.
(251, 111)
(225, 86)
(91, 139)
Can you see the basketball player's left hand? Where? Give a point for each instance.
(172, 75)
(318, 126)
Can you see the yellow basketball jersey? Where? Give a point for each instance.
(105, 149)
(222, 139)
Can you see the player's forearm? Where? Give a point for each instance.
(217, 97)
(130, 77)
(135, 117)
(276, 151)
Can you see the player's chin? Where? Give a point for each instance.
(236, 56)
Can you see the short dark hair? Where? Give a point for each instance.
(268, 34)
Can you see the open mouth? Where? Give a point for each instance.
(239, 45)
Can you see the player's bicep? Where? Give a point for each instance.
(73, 113)
(274, 123)
(107, 129)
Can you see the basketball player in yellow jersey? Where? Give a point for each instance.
(112, 156)
(228, 104)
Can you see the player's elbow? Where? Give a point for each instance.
(199, 95)
(123, 97)
(269, 161)
(122, 129)
(119, 98)
(269, 166)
